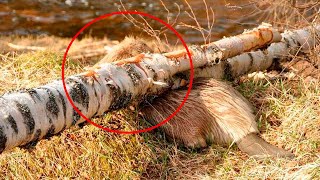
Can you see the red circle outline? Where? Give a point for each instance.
(124, 13)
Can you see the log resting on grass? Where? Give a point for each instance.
(29, 115)
(293, 42)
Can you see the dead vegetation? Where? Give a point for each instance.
(287, 104)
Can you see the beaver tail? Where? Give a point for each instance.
(255, 146)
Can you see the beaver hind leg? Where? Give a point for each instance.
(255, 146)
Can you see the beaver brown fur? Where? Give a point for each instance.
(214, 111)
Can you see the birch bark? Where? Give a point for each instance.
(292, 42)
(28, 115)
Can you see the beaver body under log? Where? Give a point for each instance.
(214, 111)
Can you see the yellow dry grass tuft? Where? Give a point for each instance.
(288, 116)
(287, 112)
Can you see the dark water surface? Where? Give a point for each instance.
(65, 17)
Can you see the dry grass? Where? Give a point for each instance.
(287, 112)
(288, 117)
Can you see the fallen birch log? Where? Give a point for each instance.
(27, 116)
(302, 40)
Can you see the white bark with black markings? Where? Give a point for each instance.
(302, 40)
(29, 115)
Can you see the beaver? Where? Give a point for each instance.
(214, 111)
(132, 46)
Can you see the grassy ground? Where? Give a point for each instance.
(288, 116)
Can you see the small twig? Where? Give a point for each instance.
(168, 12)
(146, 26)
(164, 28)
(88, 54)
(30, 48)
(205, 32)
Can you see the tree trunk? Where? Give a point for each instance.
(26, 116)
(293, 42)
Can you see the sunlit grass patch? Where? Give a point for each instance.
(33, 69)
(287, 113)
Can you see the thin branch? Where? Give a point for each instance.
(30, 48)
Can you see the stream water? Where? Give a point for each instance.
(65, 17)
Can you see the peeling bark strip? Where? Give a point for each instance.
(247, 41)
(29, 115)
